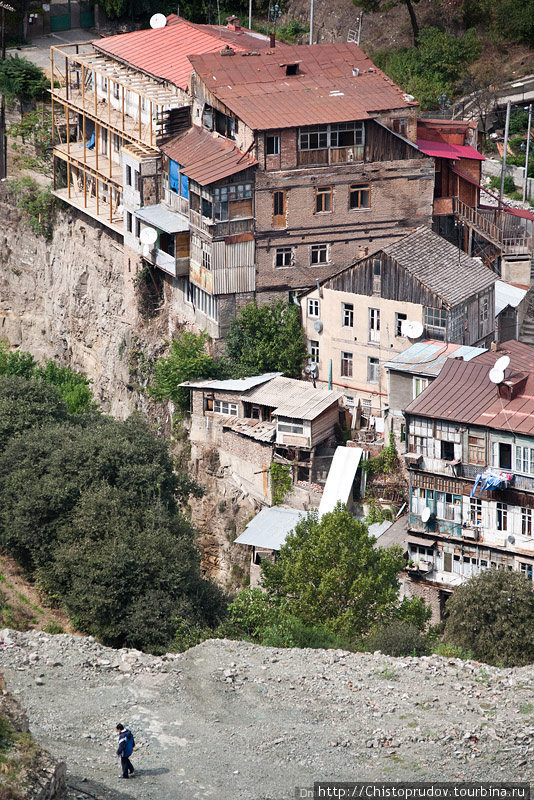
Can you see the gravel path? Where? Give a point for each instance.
(234, 721)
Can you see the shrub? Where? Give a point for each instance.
(37, 205)
(397, 638)
(281, 482)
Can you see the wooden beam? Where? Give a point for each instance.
(97, 140)
(68, 180)
(84, 142)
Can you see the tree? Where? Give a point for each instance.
(27, 404)
(22, 80)
(329, 573)
(387, 5)
(492, 615)
(188, 358)
(266, 338)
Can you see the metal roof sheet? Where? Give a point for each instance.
(160, 216)
(428, 357)
(300, 399)
(440, 266)
(325, 89)
(206, 157)
(445, 150)
(260, 430)
(338, 487)
(270, 528)
(463, 392)
(507, 295)
(163, 52)
(232, 385)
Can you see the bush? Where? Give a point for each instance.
(397, 638)
(509, 185)
(37, 205)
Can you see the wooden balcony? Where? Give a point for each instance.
(496, 226)
(177, 267)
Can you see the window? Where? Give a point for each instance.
(128, 175)
(526, 521)
(224, 407)
(447, 451)
(374, 325)
(206, 256)
(399, 319)
(103, 141)
(476, 450)
(475, 511)
(484, 309)
(400, 125)
(128, 222)
(290, 425)
(273, 145)
(117, 143)
(526, 569)
(201, 300)
(346, 365)
(323, 199)
(419, 385)
(502, 455)
(283, 257)
(359, 196)
(104, 83)
(435, 320)
(116, 91)
(136, 180)
(319, 254)
(524, 459)
(377, 267)
(343, 134)
(373, 366)
(448, 431)
(366, 409)
(502, 517)
(279, 209)
(138, 228)
(449, 506)
(347, 315)
(313, 349)
(313, 308)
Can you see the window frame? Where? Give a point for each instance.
(313, 349)
(346, 364)
(359, 190)
(399, 319)
(284, 252)
(275, 139)
(324, 199)
(373, 329)
(312, 301)
(231, 408)
(347, 315)
(373, 370)
(317, 250)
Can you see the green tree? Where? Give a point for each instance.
(387, 5)
(266, 338)
(328, 573)
(187, 359)
(73, 387)
(26, 404)
(22, 80)
(492, 615)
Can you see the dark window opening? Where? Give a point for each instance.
(447, 451)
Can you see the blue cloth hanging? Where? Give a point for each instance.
(91, 142)
(184, 186)
(174, 176)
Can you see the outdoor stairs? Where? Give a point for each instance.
(526, 333)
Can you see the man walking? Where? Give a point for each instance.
(125, 749)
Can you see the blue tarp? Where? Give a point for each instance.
(184, 186)
(174, 176)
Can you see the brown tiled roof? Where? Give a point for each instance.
(206, 157)
(464, 393)
(256, 88)
(440, 266)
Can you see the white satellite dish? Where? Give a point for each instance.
(158, 21)
(318, 326)
(502, 363)
(148, 235)
(426, 514)
(417, 330)
(314, 369)
(406, 327)
(496, 375)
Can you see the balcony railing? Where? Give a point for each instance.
(434, 525)
(494, 225)
(202, 223)
(166, 262)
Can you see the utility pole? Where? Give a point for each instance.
(250, 15)
(311, 21)
(3, 140)
(506, 129)
(525, 183)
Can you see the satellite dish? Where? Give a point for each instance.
(318, 326)
(427, 513)
(314, 369)
(511, 539)
(502, 363)
(158, 21)
(416, 330)
(146, 250)
(148, 235)
(406, 327)
(496, 375)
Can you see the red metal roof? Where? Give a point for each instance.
(325, 89)
(464, 393)
(206, 157)
(163, 52)
(443, 150)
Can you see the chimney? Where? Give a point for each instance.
(233, 23)
(272, 40)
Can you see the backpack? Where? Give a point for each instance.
(129, 745)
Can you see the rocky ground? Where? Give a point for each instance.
(234, 721)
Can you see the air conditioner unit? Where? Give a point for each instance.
(471, 533)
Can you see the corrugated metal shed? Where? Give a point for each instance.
(160, 216)
(232, 385)
(440, 266)
(336, 82)
(300, 399)
(427, 357)
(206, 157)
(338, 487)
(270, 528)
(507, 295)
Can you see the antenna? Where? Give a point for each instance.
(148, 236)
(496, 375)
(502, 363)
(158, 21)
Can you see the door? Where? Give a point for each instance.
(60, 19)
(279, 209)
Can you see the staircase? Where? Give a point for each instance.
(526, 333)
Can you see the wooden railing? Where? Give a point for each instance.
(497, 233)
(203, 223)
(479, 221)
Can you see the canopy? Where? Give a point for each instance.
(444, 150)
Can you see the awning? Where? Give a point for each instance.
(419, 540)
(159, 216)
(444, 150)
(340, 478)
(270, 528)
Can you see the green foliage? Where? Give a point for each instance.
(34, 128)
(53, 628)
(27, 404)
(187, 359)
(492, 615)
(22, 80)
(514, 19)
(266, 338)
(397, 638)
(434, 67)
(38, 205)
(290, 33)
(518, 122)
(280, 481)
(328, 573)
(377, 513)
(414, 611)
(509, 185)
(386, 462)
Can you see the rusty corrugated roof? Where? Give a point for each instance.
(206, 157)
(463, 392)
(256, 88)
(163, 52)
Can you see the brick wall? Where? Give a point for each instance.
(430, 594)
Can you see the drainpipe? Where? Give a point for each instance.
(330, 374)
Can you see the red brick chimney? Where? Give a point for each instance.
(233, 23)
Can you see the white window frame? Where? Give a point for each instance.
(225, 407)
(316, 251)
(419, 385)
(373, 370)
(374, 326)
(347, 315)
(314, 308)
